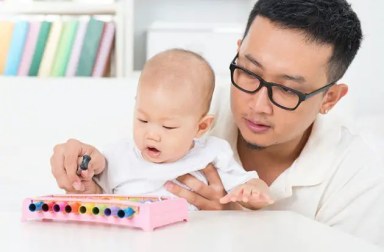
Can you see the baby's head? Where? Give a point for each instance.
(172, 101)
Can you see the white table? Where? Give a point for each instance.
(205, 231)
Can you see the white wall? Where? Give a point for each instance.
(183, 11)
(366, 74)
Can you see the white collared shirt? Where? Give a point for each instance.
(337, 179)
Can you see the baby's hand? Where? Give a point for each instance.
(66, 159)
(253, 195)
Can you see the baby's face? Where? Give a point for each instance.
(165, 124)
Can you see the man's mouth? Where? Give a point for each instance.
(257, 127)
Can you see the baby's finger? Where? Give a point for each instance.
(256, 197)
(87, 175)
(70, 164)
(233, 196)
(226, 199)
(247, 194)
(237, 194)
(62, 179)
(83, 168)
(266, 198)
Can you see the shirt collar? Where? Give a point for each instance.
(315, 160)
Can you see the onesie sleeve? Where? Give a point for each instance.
(117, 155)
(102, 179)
(230, 171)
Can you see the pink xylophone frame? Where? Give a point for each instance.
(143, 212)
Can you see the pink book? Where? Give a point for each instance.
(77, 45)
(105, 49)
(145, 212)
(34, 28)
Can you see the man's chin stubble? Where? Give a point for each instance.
(252, 146)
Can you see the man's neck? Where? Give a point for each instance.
(270, 162)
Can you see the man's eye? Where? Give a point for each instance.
(285, 89)
(169, 128)
(247, 74)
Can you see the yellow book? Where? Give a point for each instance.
(6, 29)
(50, 49)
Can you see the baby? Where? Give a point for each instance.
(170, 118)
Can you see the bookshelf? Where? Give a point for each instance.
(58, 8)
(121, 12)
(133, 19)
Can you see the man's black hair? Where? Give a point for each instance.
(322, 21)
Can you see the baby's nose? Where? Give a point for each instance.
(154, 136)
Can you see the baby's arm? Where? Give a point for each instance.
(254, 194)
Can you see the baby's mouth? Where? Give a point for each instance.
(153, 152)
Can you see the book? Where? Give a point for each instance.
(90, 47)
(6, 29)
(29, 49)
(64, 48)
(105, 50)
(77, 45)
(41, 42)
(19, 36)
(50, 49)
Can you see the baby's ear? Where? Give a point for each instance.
(204, 125)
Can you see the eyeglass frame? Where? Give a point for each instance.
(302, 96)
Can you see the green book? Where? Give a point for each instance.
(40, 47)
(64, 48)
(90, 47)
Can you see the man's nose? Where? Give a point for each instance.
(260, 102)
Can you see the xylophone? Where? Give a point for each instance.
(144, 212)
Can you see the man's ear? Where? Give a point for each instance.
(333, 96)
(204, 125)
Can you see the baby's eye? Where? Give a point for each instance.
(142, 121)
(169, 128)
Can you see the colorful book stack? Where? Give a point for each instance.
(56, 48)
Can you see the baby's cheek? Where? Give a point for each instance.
(178, 149)
(137, 139)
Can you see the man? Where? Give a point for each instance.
(284, 81)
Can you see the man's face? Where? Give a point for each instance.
(286, 57)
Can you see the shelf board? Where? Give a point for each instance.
(56, 8)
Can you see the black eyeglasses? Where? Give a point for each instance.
(281, 96)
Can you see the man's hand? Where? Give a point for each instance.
(65, 160)
(252, 195)
(204, 197)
